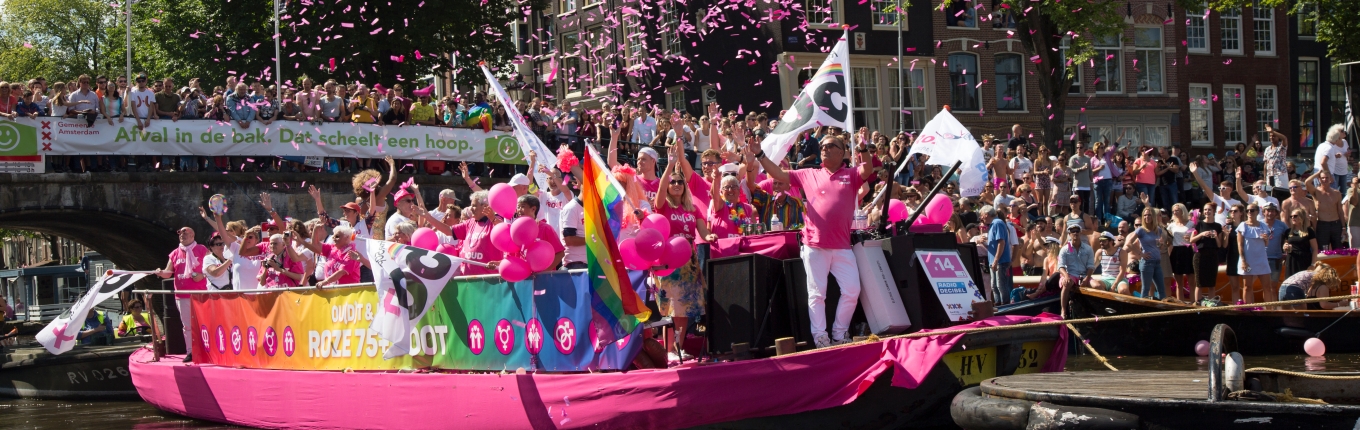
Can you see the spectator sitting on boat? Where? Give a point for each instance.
(186, 267)
(98, 329)
(1076, 263)
(1111, 259)
(135, 322)
(1051, 246)
(1318, 281)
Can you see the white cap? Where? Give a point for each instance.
(648, 151)
(728, 168)
(519, 179)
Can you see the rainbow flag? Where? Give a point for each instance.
(611, 191)
(612, 295)
(1306, 140)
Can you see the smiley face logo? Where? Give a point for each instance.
(9, 137)
(507, 147)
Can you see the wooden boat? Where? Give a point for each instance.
(1162, 399)
(1272, 332)
(84, 372)
(858, 386)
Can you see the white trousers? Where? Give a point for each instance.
(1353, 236)
(819, 263)
(185, 312)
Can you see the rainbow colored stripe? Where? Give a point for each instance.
(612, 295)
(833, 69)
(1306, 140)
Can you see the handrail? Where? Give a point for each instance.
(334, 287)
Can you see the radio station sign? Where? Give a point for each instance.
(949, 277)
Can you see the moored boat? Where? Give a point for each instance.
(1272, 332)
(88, 371)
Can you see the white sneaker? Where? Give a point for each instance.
(821, 340)
(684, 356)
(840, 341)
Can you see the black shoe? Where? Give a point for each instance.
(189, 358)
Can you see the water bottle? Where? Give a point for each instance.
(861, 220)
(775, 224)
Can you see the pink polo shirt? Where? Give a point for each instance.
(276, 279)
(720, 218)
(338, 259)
(183, 275)
(547, 234)
(683, 223)
(701, 191)
(650, 188)
(830, 205)
(475, 237)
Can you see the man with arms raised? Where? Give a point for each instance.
(831, 191)
(186, 266)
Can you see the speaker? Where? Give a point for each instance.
(169, 312)
(923, 306)
(795, 282)
(739, 295)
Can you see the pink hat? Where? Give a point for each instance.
(401, 194)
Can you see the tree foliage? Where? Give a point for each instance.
(1337, 26)
(56, 39)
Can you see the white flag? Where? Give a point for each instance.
(825, 101)
(62, 333)
(408, 280)
(528, 141)
(946, 141)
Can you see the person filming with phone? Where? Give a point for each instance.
(278, 270)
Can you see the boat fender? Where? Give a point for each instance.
(1234, 372)
(1049, 416)
(972, 411)
(1294, 332)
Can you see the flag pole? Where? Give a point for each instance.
(933, 191)
(901, 90)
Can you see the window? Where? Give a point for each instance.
(675, 99)
(1234, 114)
(565, 6)
(820, 11)
(1231, 37)
(1133, 135)
(1010, 85)
(1201, 113)
(1002, 18)
(886, 12)
(1100, 132)
(571, 61)
(1074, 71)
(1156, 135)
(1263, 28)
(865, 80)
(1266, 108)
(594, 53)
(1196, 31)
(1308, 20)
(915, 94)
(963, 83)
(1108, 63)
(1338, 96)
(636, 39)
(671, 28)
(961, 14)
(1308, 91)
(1147, 42)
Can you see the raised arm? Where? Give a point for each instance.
(771, 168)
(463, 169)
(613, 157)
(380, 196)
(268, 204)
(1198, 180)
(1237, 183)
(660, 196)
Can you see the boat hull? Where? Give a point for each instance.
(85, 372)
(1270, 332)
(872, 385)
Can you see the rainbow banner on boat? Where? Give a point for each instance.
(477, 323)
(612, 295)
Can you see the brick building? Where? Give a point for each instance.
(1318, 84)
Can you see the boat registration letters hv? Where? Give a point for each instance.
(949, 277)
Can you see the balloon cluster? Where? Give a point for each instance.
(932, 220)
(650, 248)
(525, 252)
(502, 198)
(425, 238)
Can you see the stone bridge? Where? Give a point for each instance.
(131, 218)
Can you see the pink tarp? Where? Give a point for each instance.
(653, 399)
(780, 246)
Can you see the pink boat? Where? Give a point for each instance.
(893, 383)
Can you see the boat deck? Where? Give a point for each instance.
(1065, 386)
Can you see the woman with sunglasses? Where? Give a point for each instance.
(1150, 238)
(241, 250)
(135, 322)
(215, 265)
(1252, 237)
(1182, 255)
(684, 288)
(1300, 243)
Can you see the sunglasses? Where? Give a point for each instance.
(1293, 216)
(215, 244)
(830, 146)
(141, 79)
(1252, 211)
(1293, 187)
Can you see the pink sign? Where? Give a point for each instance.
(943, 265)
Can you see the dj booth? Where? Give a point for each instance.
(758, 296)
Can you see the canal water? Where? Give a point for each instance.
(63, 415)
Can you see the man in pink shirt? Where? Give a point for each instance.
(186, 266)
(830, 191)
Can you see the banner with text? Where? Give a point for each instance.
(29, 139)
(484, 323)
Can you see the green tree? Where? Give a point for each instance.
(1336, 21)
(1044, 26)
(67, 37)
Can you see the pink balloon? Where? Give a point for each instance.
(651, 244)
(425, 238)
(659, 223)
(1314, 347)
(1202, 348)
(500, 237)
(631, 260)
(524, 231)
(540, 256)
(514, 269)
(939, 210)
(897, 211)
(679, 252)
(448, 249)
(664, 273)
(502, 198)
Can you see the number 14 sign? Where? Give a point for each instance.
(951, 281)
